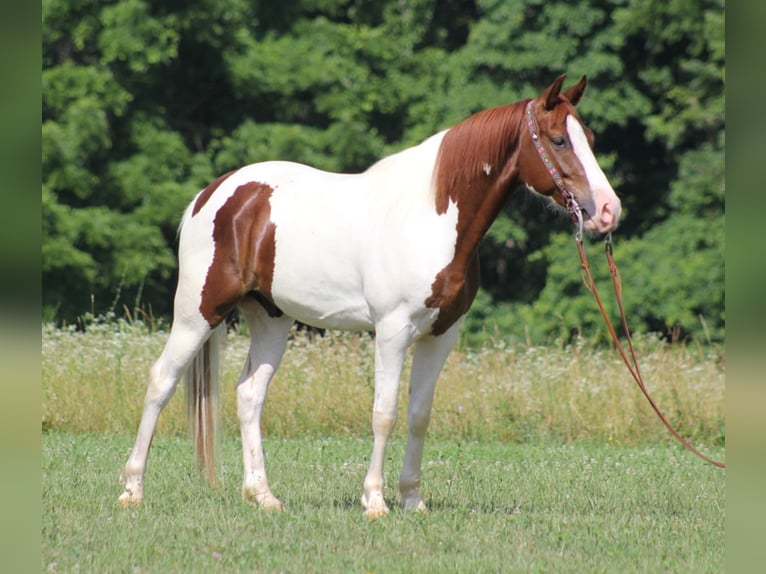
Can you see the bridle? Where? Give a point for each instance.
(575, 213)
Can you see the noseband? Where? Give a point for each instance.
(575, 212)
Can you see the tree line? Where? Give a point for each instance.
(145, 103)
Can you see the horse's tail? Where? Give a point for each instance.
(202, 401)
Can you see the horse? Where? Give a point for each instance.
(393, 250)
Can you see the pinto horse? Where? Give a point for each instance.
(393, 249)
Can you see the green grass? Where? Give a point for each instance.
(539, 459)
(495, 507)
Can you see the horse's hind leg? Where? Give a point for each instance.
(268, 337)
(186, 337)
(428, 358)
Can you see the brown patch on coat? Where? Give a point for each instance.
(204, 196)
(480, 161)
(452, 292)
(486, 139)
(245, 246)
(476, 169)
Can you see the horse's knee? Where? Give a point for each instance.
(251, 392)
(417, 423)
(383, 422)
(249, 401)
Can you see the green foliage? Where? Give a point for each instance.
(131, 36)
(663, 130)
(144, 103)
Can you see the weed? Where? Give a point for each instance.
(94, 381)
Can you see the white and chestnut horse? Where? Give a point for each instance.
(393, 249)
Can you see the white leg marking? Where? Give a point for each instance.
(186, 337)
(268, 337)
(427, 362)
(391, 342)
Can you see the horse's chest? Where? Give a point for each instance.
(453, 291)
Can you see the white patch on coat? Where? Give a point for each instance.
(352, 250)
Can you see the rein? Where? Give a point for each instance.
(575, 213)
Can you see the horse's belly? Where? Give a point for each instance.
(327, 312)
(319, 293)
(316, 281)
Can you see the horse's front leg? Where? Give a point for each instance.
(390, 348)
(428, 359)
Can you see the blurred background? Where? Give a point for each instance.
(144, 103)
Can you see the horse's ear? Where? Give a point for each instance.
(550, 96)
(574, 94)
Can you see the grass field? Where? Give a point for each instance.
(539, 460)
(493, 508)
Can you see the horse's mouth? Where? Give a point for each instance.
(593, 226)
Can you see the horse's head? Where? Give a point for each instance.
(559, 147)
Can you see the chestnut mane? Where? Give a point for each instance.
(474, 151)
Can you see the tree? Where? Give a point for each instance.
(669, 171)
(145, 103)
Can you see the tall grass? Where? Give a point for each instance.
(94, 381)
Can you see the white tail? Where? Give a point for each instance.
(202, 401)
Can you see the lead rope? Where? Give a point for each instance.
(576, 213)
(590, 285)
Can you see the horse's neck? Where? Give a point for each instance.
(474, 180)
(476, 168)
(477, 210)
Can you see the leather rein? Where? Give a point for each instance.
(575, 212)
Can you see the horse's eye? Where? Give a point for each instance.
(559, 142)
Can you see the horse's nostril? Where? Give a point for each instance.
(606, 214)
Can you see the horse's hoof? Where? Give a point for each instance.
(264, 500)
(375, 507)
(415, 505)
(375, 513)
(272, 505)
(128, 499)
